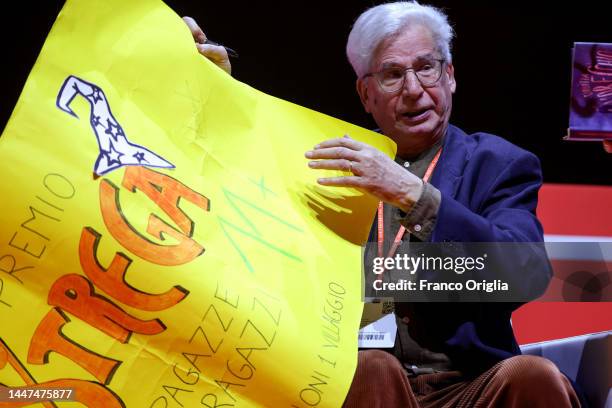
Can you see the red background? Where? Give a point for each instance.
(577, 210)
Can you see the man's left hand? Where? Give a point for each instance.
(373, 172)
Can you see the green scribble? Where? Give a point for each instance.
(229, 195)
(262, 186)
(254, 233)
(224, 222)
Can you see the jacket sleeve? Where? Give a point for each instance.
(503, 213)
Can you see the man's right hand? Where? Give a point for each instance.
(216, 53)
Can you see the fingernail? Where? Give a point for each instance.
(308, 154)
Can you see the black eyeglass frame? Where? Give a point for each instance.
(403, 81)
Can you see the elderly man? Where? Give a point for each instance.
(444, 185)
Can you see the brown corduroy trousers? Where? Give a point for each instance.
(520, 381)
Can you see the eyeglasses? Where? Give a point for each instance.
(392, 79)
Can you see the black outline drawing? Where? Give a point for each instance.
(115, 149)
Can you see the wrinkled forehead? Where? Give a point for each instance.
(406, 47)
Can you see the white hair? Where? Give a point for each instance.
(387, 20)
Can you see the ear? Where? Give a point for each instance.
(450, 71)
(362, 90)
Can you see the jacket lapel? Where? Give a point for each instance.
(455, 155)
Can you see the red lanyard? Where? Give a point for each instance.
(402, 229)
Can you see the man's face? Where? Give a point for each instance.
(415, 117)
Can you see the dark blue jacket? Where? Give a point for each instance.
(489, 194)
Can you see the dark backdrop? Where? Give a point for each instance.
(512, 64)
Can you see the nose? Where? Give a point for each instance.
(412, 86)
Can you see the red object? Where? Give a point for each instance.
(568, 210)
(540, 321)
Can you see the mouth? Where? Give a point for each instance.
(415, 115)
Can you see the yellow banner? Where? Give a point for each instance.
(163, 241)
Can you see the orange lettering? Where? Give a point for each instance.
(48, 337)
(166, 192)
(90, 394)
(7, 356)
(112, 280)
(75, 294)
